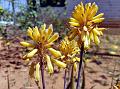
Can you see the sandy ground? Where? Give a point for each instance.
(98, 73)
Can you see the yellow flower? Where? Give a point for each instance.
(68, 47)
(54, 52)
(26, 44)
(32, 53)
(69, 50)
(59, 63)
(84, 23)
(49, 64)
(37, 72)
(42, 38)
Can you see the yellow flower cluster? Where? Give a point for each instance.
(69, 50)
(84, 22)
(42, 40)
(84, 27)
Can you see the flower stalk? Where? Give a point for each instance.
(80, 66)
(72, 78)
(65, 75)
(71, 83)
(84, 30)
(42, 72)
(42, 40)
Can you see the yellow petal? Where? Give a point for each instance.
(75, 66)
(101, 29)
(43, 35)
(32, 53)
(76, 50)
(59, 63)
(83, 35)
(54, 52)
(81, 6)
(74, 24)
(53, 38)
(87, 7)
(49, 64)
(89, 23)
(78, 9)
(96, 39)
(62, 57)
(49, 31)
(73, 20)
(98, 16)
(30, 32)
(77, 59)
(73, 60)
(37, 72)
(98, 20)
(86, 44)
(36, 33)
(43, 27)
(96, 32)
(91, 36)
(48, 45)
(77, 16)
(26, 44)
(94, 9)
(87, 41)
(101, 33)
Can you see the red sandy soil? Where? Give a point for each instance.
(98, 72)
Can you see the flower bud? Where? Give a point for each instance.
(37, 72)
(98, 16)
(75, 66)
(59, 63)
(91, 36)
(74, 24)
(26, 44)
(98, 20)
(32, 53)
(96, 39)
(49, 31)
(36, 33)
(54, 52)
(96, 32)
(53, 38)
(49, 64)
(30, 32)
(77, 59)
